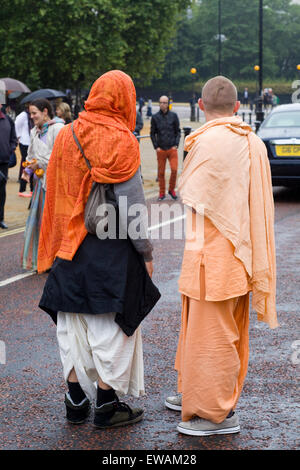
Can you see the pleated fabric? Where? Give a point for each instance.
(97, 347)
(212, 355)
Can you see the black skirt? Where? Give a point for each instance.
(104, 276)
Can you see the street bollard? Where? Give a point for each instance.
(187, 131)
(259, 113)
(257, 125)
(243, 116)
(198, 114)
(250, 119)
(193, 114)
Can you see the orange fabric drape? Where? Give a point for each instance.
(212, 355)
(213, 346)
(225, 275)
(227, 172)
(104, 131)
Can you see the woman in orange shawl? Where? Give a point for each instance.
(98, 290)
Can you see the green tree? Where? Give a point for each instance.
(56, 43)
(196, 43)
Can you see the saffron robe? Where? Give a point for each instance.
(226, 180)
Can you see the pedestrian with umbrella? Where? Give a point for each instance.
(10, 88)
(11, 84)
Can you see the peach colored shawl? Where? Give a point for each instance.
(227, 171)
(104, 131)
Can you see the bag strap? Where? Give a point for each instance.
(2, 175)
(80, 148)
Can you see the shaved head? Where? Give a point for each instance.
(164, 104)
(164, 98)
(219, 95)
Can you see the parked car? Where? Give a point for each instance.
(280, 132)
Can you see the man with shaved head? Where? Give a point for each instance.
(229, 251)
(219, 97)
(165, 136)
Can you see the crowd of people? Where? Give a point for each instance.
(35, 130)
(99, 287)
(270, 100)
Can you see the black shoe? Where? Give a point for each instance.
(116, 413)
(161, 197)
(173, 195)
(3, 225)
(77, 414)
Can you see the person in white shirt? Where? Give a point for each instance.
(246, 97)
(23, 126)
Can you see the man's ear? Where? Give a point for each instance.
(237, 107)
(200, 103)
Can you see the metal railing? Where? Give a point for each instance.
(246, 116)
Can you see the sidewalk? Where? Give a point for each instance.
(16, 208)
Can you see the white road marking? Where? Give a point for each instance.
(10, 280)
(31, 273)
(149, 194)
(12, 232)
(167, 222)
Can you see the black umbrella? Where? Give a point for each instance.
(47, 93)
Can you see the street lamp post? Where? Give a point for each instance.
(261, 32)
(256, 68)
(220, 40)
(193, 71)
(259, 109)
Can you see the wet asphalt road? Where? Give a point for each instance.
(32, 388)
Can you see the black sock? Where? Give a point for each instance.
(76, 392)
(105, 396)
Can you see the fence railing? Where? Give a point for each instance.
(247, 116)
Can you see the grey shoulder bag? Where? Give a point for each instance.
(96, 199)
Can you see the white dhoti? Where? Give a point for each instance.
(96, 347)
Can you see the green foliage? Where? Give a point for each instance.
(150, 27)
(196, 43)
(60, 43)
(64, 43)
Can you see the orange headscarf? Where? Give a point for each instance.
(104, 131)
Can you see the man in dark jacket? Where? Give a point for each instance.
(8, 143)
(165, 136)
